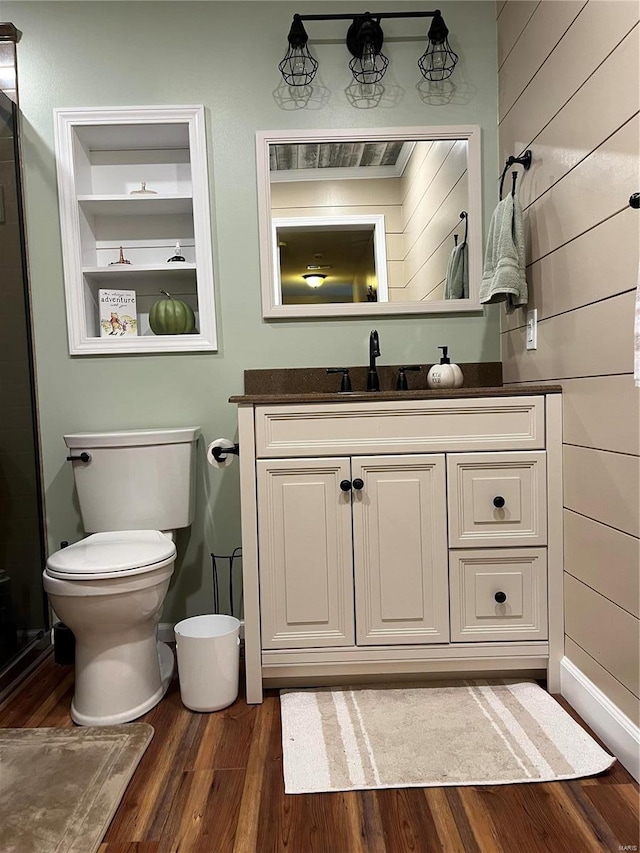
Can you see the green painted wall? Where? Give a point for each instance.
(223, 55)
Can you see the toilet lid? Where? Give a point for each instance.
(115, 551)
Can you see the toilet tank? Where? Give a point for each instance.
(135, 479)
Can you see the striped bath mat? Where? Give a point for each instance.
(462, 733)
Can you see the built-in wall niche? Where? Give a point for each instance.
(132, 184)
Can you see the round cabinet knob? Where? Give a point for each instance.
(500, 597)
(499, 502)
(358, 484)
(345, 485)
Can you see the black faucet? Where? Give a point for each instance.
(373, 382)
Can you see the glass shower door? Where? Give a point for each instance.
(23, 610)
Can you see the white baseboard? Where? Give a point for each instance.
(618, 732)
(166, 635)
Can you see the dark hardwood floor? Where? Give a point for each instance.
(213, 783)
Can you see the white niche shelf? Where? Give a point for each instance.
(103, 156)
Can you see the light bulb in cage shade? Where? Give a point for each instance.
(364, 40)
(298, 68)
(368, 59)
(314, 279)
(438, 61)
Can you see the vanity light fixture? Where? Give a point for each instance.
(314, 279)
(364, 40)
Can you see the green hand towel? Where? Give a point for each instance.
(457, 281)
(504, 277)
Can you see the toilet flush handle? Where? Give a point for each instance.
(84, 457)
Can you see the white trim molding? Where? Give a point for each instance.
(618, 732)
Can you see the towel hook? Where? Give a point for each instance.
(523, 160)
(634, 201)
(464, 215)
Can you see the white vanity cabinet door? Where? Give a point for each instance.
(400, 550)
(306, 564)
(497, 499)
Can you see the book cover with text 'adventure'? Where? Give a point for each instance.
(117, 313)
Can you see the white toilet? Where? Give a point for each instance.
(135, 488)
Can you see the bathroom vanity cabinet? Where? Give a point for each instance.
(414, 534)
(134, 179)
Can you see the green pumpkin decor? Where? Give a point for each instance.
(171, 317)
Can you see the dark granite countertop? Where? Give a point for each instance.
(372, 396)
(314, 385)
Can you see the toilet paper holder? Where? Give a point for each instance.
(221, 453)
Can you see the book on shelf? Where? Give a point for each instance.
(117, 313)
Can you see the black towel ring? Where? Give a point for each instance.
(523, 160)
(464, 215)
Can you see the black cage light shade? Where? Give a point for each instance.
(438, 61)
(364, 40)
(298, 68)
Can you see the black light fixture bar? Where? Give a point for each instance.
(364, 40)
(377, 15)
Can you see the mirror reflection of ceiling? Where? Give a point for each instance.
(387, 157)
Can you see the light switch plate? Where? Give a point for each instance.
(532, 329)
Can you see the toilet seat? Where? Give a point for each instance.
(116, 553)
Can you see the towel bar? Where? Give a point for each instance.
(523, 160)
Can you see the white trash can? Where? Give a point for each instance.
(208, 652)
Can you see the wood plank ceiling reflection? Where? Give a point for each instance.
(333, 155)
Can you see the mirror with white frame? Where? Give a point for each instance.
(368, 222)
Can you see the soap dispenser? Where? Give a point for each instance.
(445, 374)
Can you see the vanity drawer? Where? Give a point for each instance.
(498, 594)
(497, 499)
(412, 426)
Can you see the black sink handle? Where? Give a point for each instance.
(401, 382)
(346, 380)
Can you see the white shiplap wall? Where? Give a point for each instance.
(569, 77)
